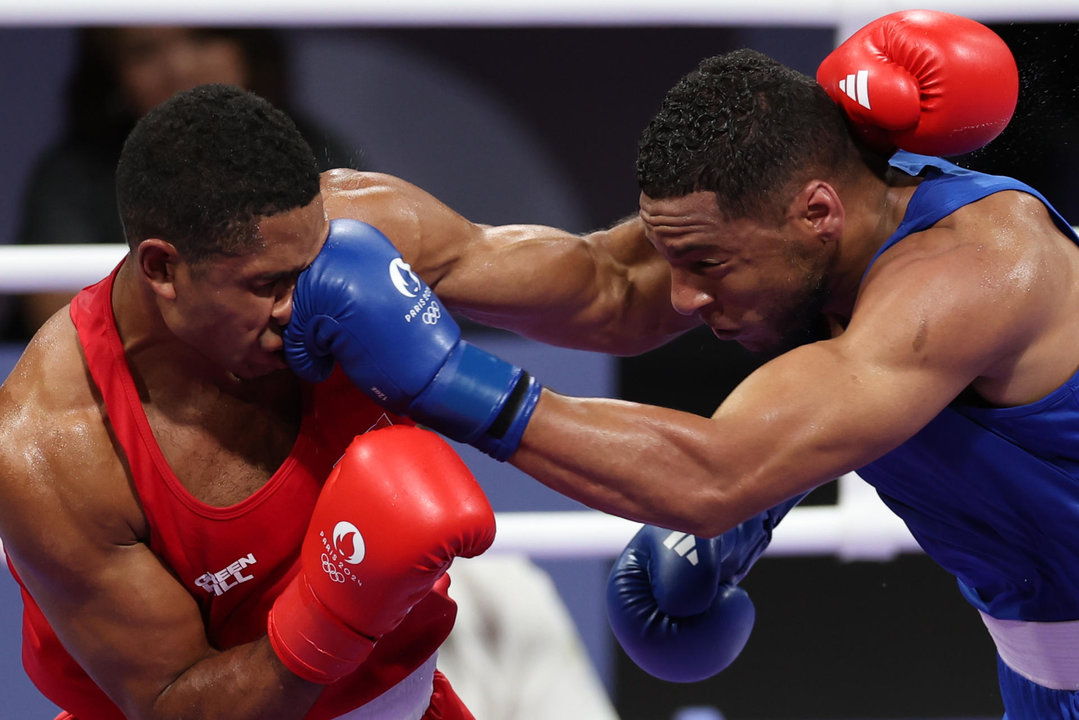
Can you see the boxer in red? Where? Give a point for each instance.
(197, 532)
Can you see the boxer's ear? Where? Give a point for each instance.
(157, 260)
(820, 208)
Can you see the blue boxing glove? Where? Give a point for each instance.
(361, 305)
(673, 601)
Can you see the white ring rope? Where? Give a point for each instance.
(55, 268)
(858, 527)
(843, 14)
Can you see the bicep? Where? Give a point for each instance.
(820, 411)
(601, 292)
(832, 407)
(117, 610)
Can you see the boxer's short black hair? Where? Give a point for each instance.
(200, 169)
(745, 127)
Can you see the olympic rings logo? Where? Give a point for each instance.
(331, 569)
(431, 314)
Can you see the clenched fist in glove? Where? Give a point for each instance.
(361, 305)
(673, 600)
(924, 81)
(394, 513)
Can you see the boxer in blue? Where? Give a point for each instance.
(921, 318)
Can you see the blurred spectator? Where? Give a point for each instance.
(514, 653)
(119, 74)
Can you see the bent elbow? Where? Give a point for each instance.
(706, 518)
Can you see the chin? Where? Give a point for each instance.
(792, 340)
(767, 347)
(773, 344)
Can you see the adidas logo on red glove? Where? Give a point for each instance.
(924, 81)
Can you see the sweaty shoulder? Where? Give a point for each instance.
(991, 287)
(49, 388)
(58, 466)
(344, 181)
(427, 233)
(1000, 233)
(379, 199)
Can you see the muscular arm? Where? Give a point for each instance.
(928, 325)
(779, 434)
(606, 291)
(76, 536)
(141, 638)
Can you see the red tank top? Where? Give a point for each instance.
(233, 560)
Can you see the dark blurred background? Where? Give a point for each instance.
(540, 125)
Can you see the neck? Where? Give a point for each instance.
(875, 207)
(156, 356)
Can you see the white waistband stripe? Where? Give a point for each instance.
(1045, 653)
(407, 700)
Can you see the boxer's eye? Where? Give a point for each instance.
(265, 287)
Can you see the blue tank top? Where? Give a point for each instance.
(991, 494)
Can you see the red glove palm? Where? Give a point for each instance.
(924, 81)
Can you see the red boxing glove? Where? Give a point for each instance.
(395, 511)
(924, 81)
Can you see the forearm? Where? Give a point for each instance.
(247, 682)
(646, 463)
